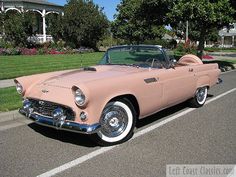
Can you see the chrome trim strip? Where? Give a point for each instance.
(68, 126)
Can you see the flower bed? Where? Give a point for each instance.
(42, 51)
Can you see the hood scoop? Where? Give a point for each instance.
(90, 69)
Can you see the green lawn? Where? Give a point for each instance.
(10, 99)
(223, 63)
(231, 61)
(220, 49)
(20, 65)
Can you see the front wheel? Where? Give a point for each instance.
(200, 97)
(117, 123)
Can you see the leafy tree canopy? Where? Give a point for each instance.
(204, 14)
(130, 24)
(233, 5)
(83, 24)
(194, 33)
(1, 23)
(14, 29)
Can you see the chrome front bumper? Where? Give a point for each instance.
(61, 125)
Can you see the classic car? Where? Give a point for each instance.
(131, 82)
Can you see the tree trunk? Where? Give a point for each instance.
(201, 43)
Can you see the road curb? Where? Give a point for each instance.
(11, 115)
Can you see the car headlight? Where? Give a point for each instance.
(79, 97)
(19, 88)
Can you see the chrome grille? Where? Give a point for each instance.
(46, 108)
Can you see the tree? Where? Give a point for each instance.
(14, 29)
(194, 34)
(30, 21)
(130, 24)
(1, 23)
(54, 26)
(83, 24)
(205, 14)
(233, 5)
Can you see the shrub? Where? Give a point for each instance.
(26, 51)
(54, 51)
(186, 48)
(10, 51)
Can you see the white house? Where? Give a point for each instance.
(228, 36)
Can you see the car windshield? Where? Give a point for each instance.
(141, 56)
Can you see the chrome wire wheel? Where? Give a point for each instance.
(201, 95)
(116, 122)
(199, 98)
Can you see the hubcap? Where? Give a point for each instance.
(114, 121)
(201, 94)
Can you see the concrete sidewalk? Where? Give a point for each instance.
(7, 83)
(11, 115)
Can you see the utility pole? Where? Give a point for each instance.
(186, 39)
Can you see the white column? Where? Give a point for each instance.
(44, 25)
(232, 41)
(2, 7)
(222, 41)
(2, 10)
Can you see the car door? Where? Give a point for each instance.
(178, 84)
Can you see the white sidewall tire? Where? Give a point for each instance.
(128, 127)
(205, 96)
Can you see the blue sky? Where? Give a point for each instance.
(109, 6)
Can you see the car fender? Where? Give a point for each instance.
(203, 81)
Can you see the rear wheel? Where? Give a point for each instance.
(200, 97)
(117, 123)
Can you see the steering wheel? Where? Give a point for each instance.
(155, 63)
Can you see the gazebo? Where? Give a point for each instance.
(42, 7)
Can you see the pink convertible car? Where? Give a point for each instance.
(130, 83)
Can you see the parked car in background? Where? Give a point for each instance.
(130, 83)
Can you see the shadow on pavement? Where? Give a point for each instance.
(85, 140)
(64, 136)
(164, 113)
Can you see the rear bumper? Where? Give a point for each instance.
(61, 125)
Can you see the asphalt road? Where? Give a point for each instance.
(178, 135)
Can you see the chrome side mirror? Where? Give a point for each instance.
(173, 63)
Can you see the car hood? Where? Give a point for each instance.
(101, 72)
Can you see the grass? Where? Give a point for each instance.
(230, 61)
(9, 99)
(223, 63)
(19, 65)
(220, 49)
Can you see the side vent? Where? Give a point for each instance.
(150, 80)
(90, 69)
